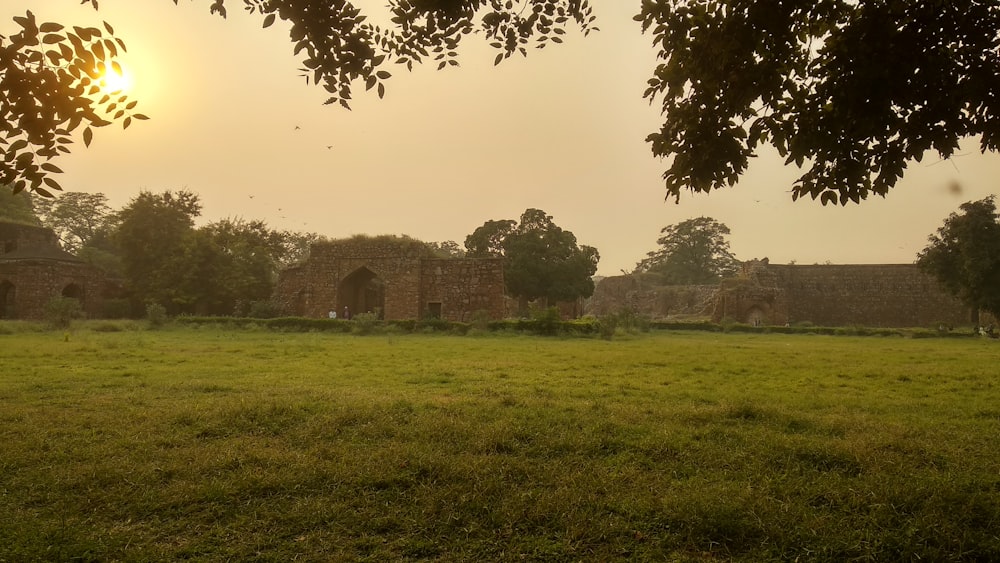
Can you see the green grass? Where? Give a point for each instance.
(209, 445)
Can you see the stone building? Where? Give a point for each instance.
(34, 269)
(875, 295)
(393, 278)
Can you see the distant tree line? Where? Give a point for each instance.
(230, 266)
(152, 248)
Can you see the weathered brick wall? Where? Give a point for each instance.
(617, 293)
(330, 263)
(34, 269)
(394, 277)
(33, 283)
(463, 287)
(291, 293)
(884, 295)
(867, 295)
(15, 236)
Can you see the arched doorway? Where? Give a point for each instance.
(361, 292)
(755, 317)
(73, 291)
(299, 304)
(7, 293)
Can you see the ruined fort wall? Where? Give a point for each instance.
(885, 295)
(291, 293)
(397, 265)
(17, 236)
(34, 283)
(463, 287)
(630, 292)
(406, 274)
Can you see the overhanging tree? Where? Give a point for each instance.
(50, 74)
(964, 255)
(51, 86)
(692, 252)
(852, 90)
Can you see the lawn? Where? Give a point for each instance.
(208, 445)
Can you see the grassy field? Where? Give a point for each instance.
(208, 445)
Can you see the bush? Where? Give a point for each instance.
(61, 311)
(547, 321)
(480, 320)
(263, 310)
(156, 314)
(364, 323)
(116, 309)
(606, 326)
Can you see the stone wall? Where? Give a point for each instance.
(34, 269)
(463, 288)
(641, 294)
(884, 295)
(391, 277)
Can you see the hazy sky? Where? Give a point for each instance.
(562, 130)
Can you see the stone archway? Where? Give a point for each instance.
(755, 316)
(73, 291)
(362, 291)
(7, 300)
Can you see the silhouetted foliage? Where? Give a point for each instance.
(51, 86)
(852, 90)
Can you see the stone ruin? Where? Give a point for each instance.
(644, 294)
(392, 278)
(883, 295)
(875, 295)
(34, 269)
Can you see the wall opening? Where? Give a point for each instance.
(361, 292)
(434, 310)
(299, 305)
(7, 293)
(755, 317)
(73, 291)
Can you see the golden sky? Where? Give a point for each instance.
(445, 151)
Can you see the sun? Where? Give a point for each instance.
(116, 79)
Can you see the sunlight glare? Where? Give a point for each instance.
(114, 82)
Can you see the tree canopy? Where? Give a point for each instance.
(50, 75)
(75, 217)
(851, 91)
(541, 260)
(51, 84)
(17, 207)
(964, 255)
(692, 252)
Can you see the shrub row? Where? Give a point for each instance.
(366, 326)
